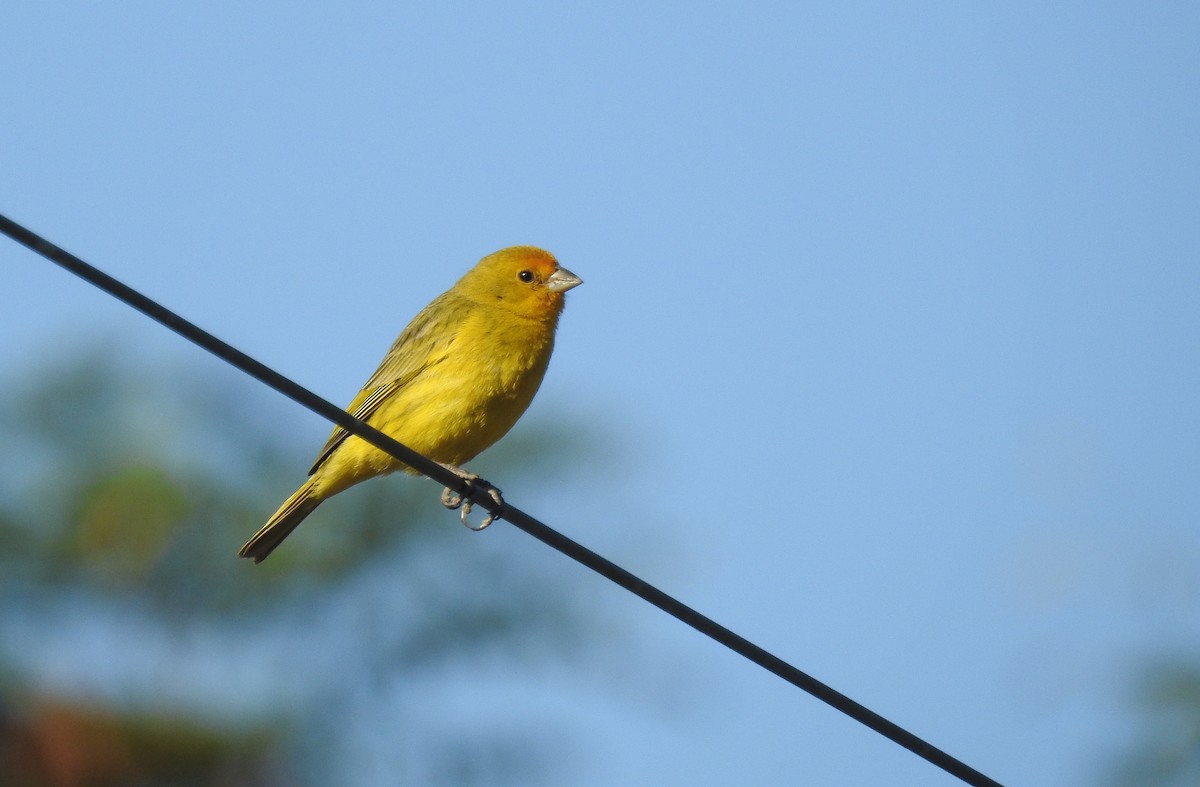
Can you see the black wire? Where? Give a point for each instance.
(479, 496)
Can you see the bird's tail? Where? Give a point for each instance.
(282, 523)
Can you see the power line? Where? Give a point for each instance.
(478, 495)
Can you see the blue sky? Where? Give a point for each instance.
(889, 320)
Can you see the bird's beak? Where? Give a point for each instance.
(562, 280)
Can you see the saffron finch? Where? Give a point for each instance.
(454, 382)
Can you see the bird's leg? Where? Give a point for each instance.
(452, 499)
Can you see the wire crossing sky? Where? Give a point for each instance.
(477, 494)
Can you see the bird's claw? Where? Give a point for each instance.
(452, 499)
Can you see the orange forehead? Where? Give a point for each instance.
(515, 258)
(529, 256)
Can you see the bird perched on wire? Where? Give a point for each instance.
(454, 382)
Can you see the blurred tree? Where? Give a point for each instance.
(132, 636)
(1167, 752)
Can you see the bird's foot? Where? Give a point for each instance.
(453, 499)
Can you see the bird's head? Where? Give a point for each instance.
(525, 280)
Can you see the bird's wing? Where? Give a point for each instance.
(424, 344)
(367, 402)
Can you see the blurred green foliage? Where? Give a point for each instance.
(131, 634)
(1166, 752)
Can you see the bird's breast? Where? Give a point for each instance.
(472, 398)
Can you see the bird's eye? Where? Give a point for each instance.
(525, 276)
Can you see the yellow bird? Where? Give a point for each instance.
(458, 378)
